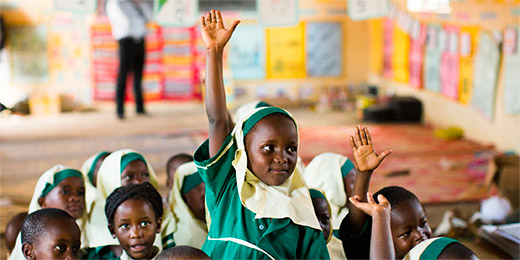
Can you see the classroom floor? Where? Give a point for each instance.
(30, 145)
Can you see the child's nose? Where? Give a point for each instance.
(280, 157)
(136, 232)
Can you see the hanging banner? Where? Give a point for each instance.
(180, 13)
(512, 70)
(375, 27)
(388, 47)
(449, 71)
(468, 47)
(366, 9)
(400, 55)
(417, 42)
(277, 12)
(247, 55)
(324, 49)
(432, 59)
(286, 52)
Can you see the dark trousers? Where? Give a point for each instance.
(131, 57)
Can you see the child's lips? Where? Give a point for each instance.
(279, 171)
(138, 247)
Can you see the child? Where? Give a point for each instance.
(334, 174)
(258, 201)
(171, 166)
(440, 248)
(188, 206)
(50, 234)
(120, 168)
(59, 187)
(12, 229)
(90, 170)
(182, 252)
(245, 109)
(323, 212)
(134, 215)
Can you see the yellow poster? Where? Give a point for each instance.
(285, 52)
(468, 49)
(400, 59)
(375, 28)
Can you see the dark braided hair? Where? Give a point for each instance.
(36, 223)
(145, 192)
(396, 195)
(181, 157)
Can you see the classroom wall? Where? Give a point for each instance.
(503, 130)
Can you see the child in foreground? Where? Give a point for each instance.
(182, 252)
(259, 204)
(50, 233)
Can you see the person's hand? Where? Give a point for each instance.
(364, 154)
(214, 34)
(371, 208)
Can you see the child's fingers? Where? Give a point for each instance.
(370, 198)
(218, 17)
(203, 21)
(367, 135)
(208, 18)
(364, 135)
(213, 16)
(357, 197)
(357, 137)
(353, 144)
(234, 25)
(383, 201)
(383, 155)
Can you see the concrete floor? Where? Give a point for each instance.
(32, 144)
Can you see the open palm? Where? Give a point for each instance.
(214, 34)
(364, 154)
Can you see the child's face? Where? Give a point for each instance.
(171, 171)
(272, 149)
(96, 168)
(195, 200)
(409, 227)
(322, 211)
(68, 195)
(61, 240)
(135, 172)
(135, 226)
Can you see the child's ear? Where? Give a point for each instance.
(111, 229)
(159, 222)
(41, 201)
(27, 250)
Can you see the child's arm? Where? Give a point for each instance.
(215, 37)
(367, 160)
(381, 243)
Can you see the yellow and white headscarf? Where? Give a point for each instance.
(88, 174)
(108, 179)
(429, 249)
(47, 181)
(326, 172)
(289, 200)
(190, 231)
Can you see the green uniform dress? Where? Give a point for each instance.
(234, 232)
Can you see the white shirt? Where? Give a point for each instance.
(128, 18)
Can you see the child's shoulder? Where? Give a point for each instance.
(100, 252)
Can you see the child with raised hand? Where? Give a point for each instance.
(63, 188)
(188, 206)
(258, 201)
(323, 213)
(50, 233)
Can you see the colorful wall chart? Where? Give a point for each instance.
(401, 50)
(324, 49)
(512, 70)
(376, 45)
(285, 52)
(388, 47)
(417, 40)
(176, 12)
(29, 53)
(468, 47)
(449, 71)
(485, 75)
(278, 12)
(247, 55)
(366, 9)
(432, 59)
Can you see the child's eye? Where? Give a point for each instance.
(60, 248)
(123, 226)
(268, 148)
(145, 223)
(64, 192)
(405, 235)
(292, 149)
(129, 177)
(75, 249)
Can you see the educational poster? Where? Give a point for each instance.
(176, 12)
(512, 70)
(324, 49)
(417, 41)
(400, 60)
(432, 59)
(277, 12)
(80, 6)
(178, 52)
(388, 47)
(449, 71)
(247, 54)
(468, 47)
(285, 52)
(485, 75)
(366, 9)
(375, 27)
(28, 53)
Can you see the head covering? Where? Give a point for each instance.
(429, 249)
(47, 181)
(245, 109)
(87, 169)
(318, 194)
(109, 179)
(190, 231)
(289, 200)
(326, 172)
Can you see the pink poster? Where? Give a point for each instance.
(388, 47)
(449, 71)
(417, 41)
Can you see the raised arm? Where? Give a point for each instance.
(215, 37)
(367, 160)
(381, 243)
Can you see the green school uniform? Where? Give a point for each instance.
(234, 232)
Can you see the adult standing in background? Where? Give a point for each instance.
(128, 20)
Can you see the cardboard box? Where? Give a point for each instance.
(504, 171)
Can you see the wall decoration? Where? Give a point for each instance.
(29, 53)
(286, 52)
(247, 52)
(278, 12)
(512, 71)
(180, 13)
(449, 71)
(80, 6)
(468, 47)
(432, 59)
(485, 75)
(366, 9)
(324, 49)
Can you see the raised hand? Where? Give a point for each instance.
(214, 34)
(372, 208)
(364, 154)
